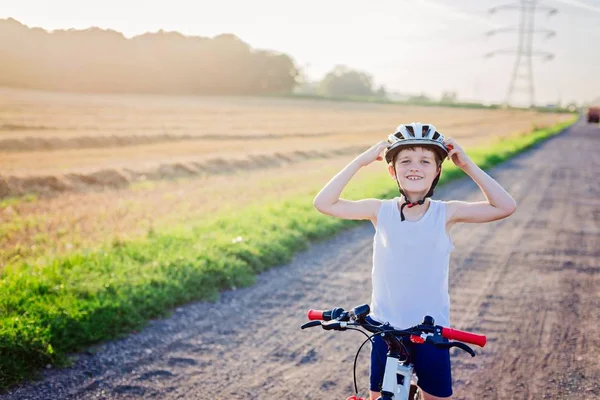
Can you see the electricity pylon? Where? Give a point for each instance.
(522, 79)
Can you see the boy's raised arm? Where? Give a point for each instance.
(328, 200)
(500, 204)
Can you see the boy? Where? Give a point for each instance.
(412, 245)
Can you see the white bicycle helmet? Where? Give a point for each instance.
(415, 134)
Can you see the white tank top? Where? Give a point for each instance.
(410, 266)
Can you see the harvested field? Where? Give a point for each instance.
(99, 168)
(64, 142)
(116, 177)
(27, 114)
(34, 228)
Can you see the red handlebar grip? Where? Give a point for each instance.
(455, 334)
(315, 315)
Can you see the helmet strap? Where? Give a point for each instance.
(410, 205)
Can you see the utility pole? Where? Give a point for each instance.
(522, 78)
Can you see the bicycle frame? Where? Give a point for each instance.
(391, 389)
(398, 374)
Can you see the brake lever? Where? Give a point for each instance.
(438, 342)
(460, 345)
(465, 348)
(310, 324)
(334, 325)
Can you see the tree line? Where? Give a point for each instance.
(105, 61)
(98, 60)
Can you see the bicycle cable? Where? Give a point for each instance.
(369, 339)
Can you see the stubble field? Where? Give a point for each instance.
(80, 171)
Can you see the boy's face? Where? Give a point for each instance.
(416, 168)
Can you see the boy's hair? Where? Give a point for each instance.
(439, 158)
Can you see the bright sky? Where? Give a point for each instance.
(410, 46)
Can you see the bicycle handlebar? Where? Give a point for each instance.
(316, 315)
(468, 337)
(340, 315)
(340, 320)
(327, 315)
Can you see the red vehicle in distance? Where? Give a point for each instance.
(593, 115)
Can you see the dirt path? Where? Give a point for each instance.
(531, 283)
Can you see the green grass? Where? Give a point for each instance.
(423, 103)
(13, 201)
(85, 297)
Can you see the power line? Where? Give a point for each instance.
(522, 78)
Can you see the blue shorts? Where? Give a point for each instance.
(432, 366)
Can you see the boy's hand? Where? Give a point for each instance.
(457, 154)
(372, 154)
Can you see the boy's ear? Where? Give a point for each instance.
(391, 170)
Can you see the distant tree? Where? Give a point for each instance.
(449, 97)
(381, 92)
(421, 98)
(343, 81)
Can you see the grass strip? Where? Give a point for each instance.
(423, 103)
(86, 297)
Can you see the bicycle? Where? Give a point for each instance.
(398, 379)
